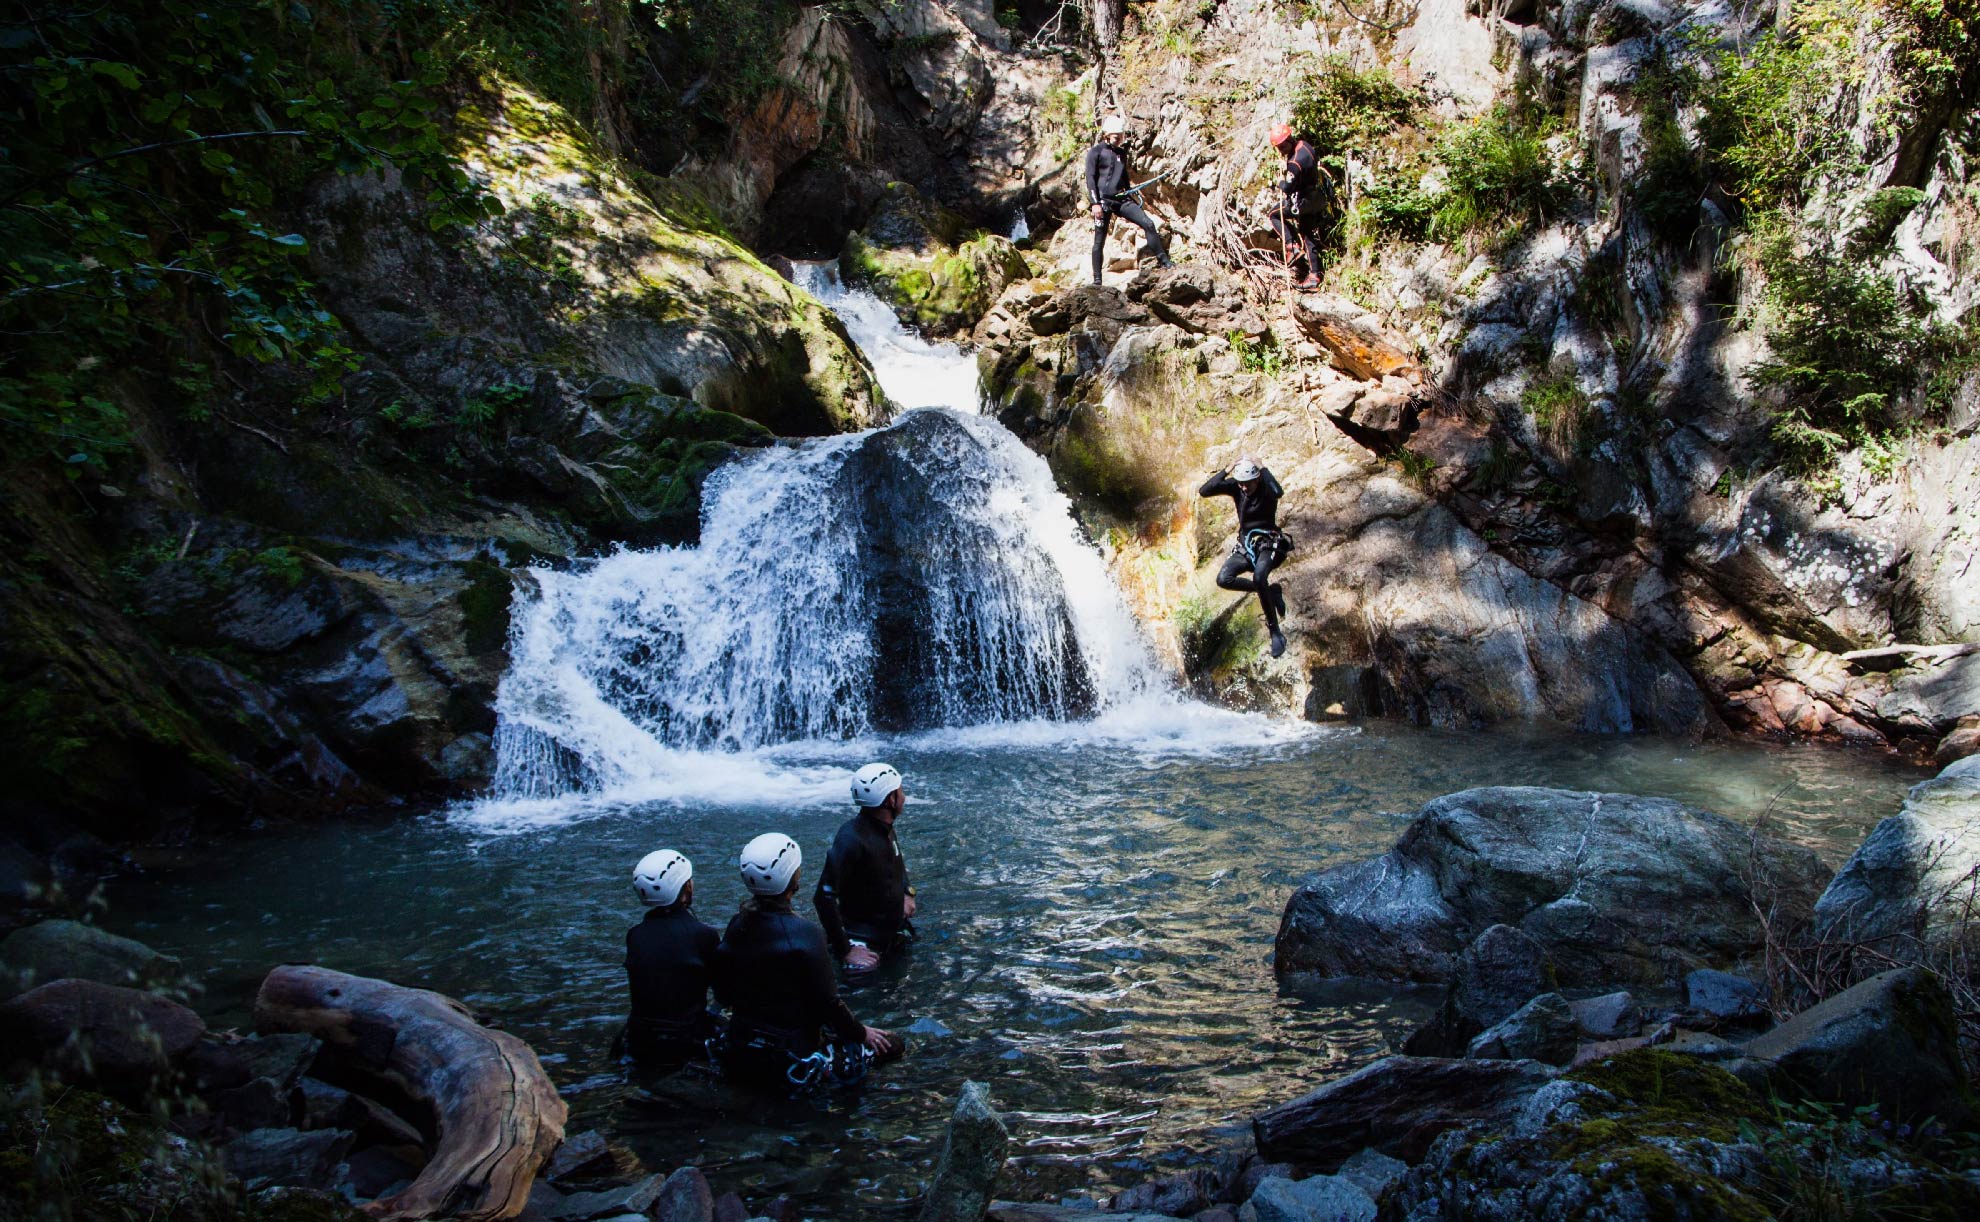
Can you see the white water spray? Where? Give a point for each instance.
(926, 578)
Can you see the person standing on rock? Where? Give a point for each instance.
(1107, 189)
(774, 972)
(864, 898)
(668, 957)
(1261, 545)
(1299, 179)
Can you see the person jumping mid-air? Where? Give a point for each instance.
(774, 972)
(1261, 545)
(1107, 189)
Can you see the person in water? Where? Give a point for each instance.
(1261, 545)
(864, 898)
(789, 1030)
(1107, 189)
(668, 959)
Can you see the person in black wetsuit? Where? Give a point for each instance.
(1106, 180)
(668, 957)
(1261, 545)
(864, 898)
(774, 972)
(1299, 180)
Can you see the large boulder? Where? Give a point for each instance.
(1332, 1198)
(972, 1159)
(1618, 888)
(1890, 1041)
(71, 950)
(1398, 1105)
(99, 1032)
(1918, 872)
(290, 1158)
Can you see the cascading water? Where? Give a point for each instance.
(924, 577)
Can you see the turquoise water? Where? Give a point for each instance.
(1097, 926)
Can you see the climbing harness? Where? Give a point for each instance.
(1258, 538)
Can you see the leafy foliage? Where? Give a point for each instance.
(1768, 111)
(152, 149)
(1847, 343)
(1497, 171)
(1342, 109)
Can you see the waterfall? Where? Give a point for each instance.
(925, 577)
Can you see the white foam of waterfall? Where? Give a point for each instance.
(913, 371)
(1020, 227)
(927, 578)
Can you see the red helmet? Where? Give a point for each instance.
(1282, 136)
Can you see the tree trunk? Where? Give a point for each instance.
(1106, 16)
(497, 1116)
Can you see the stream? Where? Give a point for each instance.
(1101, 862)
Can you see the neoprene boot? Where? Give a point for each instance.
(1278, 643)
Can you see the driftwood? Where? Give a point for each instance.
(497, 1115)
(1936, 652)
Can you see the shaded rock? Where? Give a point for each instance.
(1918, 872)
(684, 1197)
(579, 1155)
(378, 1171)
(1015, 1211)
(116, 1036)
(259, 1103)
(1216, 1213)
(287, 1157)
(1541, 1030)
(1179, 1195)
(1494, 976)
(1375, 1171)
(631, 1198)
(1256, 1174)
(1321, 1198)
(70, 950)
(1724, 996)
(972, 1159)
(1398, 1105)
(729, 1208)
(302, 1205)
(1609, 1016)
(1890, 1041)
(282, 1059)
(323, 1106)
(1617, 888)
(542, 1203)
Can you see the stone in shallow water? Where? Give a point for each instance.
(1397, 1105)
(972, 1159)
(1914, 873)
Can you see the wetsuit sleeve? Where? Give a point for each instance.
(1271, 482)
(826, 897)
(822, 988)
(1220, 484)
(721, 972)
(1093, 175)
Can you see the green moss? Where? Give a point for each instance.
(485, 607)
(1670, 1191)
(1675, 1095)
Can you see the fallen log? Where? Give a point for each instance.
(496, 1114)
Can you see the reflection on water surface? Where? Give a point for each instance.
(1097, 934)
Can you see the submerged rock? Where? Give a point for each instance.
(972, 1159)
(1397, 1106)
(1617, 888)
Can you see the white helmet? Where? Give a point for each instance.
(1246, 469)
(659, 877)
(769, 862)
(873, 783)
(1112, 125)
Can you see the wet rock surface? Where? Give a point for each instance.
(1918, 872)
(1398, 1106)
(1616, 888)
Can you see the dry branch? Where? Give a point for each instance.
(496, 1113)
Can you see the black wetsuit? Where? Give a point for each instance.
(1106, 178)
(1299, 178)
(1261, 545)
(669, 960)
(864, 887)
(774, 972)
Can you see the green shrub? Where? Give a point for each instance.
(1847, 343)
(1497, 171)
(1396, 210)
(1767, 109)
(1559, 410)
(1340, 108)
(1671, 179)
(1263, 356)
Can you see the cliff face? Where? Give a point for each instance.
(1588, 422)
